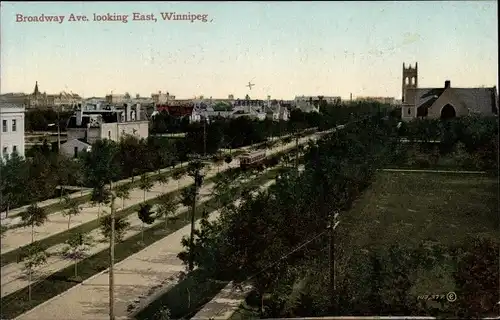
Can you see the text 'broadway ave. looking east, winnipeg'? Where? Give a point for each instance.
(114, 17)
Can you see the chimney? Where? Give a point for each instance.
(79, 117)
(447, 84)
(128, 111)
(137, 96)
(137, 112)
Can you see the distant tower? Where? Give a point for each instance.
(36, 92)
(410, 79)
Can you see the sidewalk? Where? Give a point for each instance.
(136, 277)
(57, 223)
(224, 304)
(12, 274)
(12, 219)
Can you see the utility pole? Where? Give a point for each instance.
(112, 257)
(58, 131)
(297, 152)
(204, 137)
(198, 180)
(332, 224)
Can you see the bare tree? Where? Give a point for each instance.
(77, 247)
(35, 257)
(34, 216)
(123, 191)
(168, 207)
(72, 208)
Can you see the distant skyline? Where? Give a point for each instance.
(285, 48)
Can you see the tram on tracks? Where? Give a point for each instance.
(252, 159)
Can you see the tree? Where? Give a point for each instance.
(228, 159)
(189, 199)
(168, 207)
(35, 257)
(177, 175)
(121, 226)
(218, 161)
(14, 171)
(146, 184)
(162, 179)
(72, 208)
(3, 229)
(146, 215)
(102, 164)
(77, 247)
(100, 195)
(34, 216)
(222, 191)
(123, 191)
(477, 279)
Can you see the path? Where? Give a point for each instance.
(57, 223)
(12, 274)
(14, 213)
(432, 171)
(224, 304)
(135, 277)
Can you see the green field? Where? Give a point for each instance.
(407, 210)
(411, 207)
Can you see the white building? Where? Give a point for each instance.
(87, 126)
(162, 98)
(311, 103)
(11, 129)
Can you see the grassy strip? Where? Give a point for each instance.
(52, 208)
(14, 255)
(55, 207)
(17, 303)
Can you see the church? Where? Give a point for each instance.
(445, 102)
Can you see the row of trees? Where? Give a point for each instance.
(43, 120)
(36, 178)
(469, 142)
(278, 241)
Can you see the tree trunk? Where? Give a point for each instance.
(142, 232)
(112, 257)
(123, 203)
(98, 210)
(32, 233)
(191, 237)
(189, 298)
(144, 196)
(166, 222)
(76, 268)
(262, 304)
(7, 212)
(29, 285)
(69, 220)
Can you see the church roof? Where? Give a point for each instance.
(477, 100)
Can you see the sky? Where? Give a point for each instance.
(284, 48)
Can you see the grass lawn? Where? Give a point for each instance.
(17, 302)
(411, 207)
(407, 208)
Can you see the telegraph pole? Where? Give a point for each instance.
(204, 137)
(297, 152)
(332, 224)
(198, 180)
(112, 257)
(58, 131)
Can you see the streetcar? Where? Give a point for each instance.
(252, 159)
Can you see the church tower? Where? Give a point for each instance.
(36, 92)
(410, 79)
